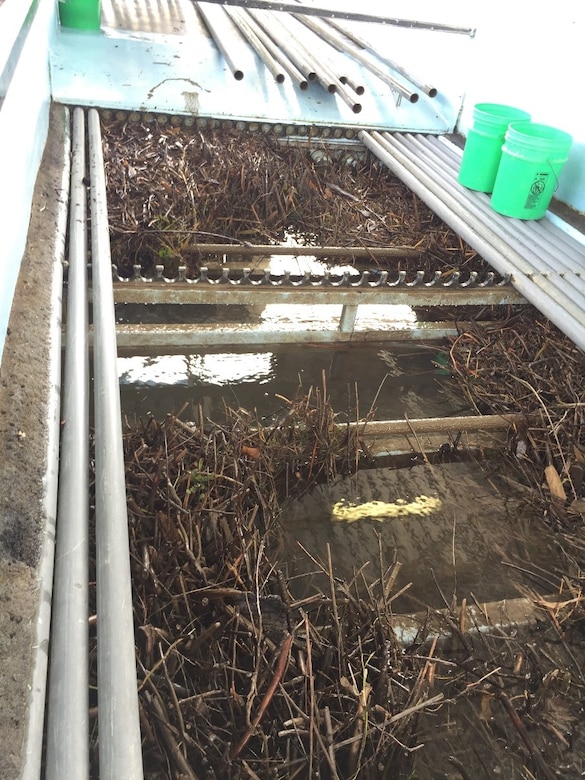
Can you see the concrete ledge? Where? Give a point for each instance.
(505, 617)
(29, 441)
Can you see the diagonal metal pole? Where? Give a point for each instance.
(355, 16)
(120, 754)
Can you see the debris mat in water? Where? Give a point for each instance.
(169, 187)
(239, 680)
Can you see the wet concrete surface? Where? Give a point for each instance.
(455, 528)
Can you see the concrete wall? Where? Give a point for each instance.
(24, 118)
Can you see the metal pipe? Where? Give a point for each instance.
(276, 52)
(506, 237)
(336, 40)
(529, 237)
(355, 16)
(67, 718)
(568, 318)
(333, 84)
(368, 46)
(281, 38)
(247, 250)
(343, 66)
(287, 36)
(32, 758)
(338, 63)
(329, 64)
(237, 16)
(550, 238)
(119, 745)
(211, 16)
(358, 88)
(509, 237)
(516, 233)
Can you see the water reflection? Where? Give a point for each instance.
(327, 315)
(396, 381)
(218, 369)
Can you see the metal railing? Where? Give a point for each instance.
(67, 726)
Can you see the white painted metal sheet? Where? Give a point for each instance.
(132, 65)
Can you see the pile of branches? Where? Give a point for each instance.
(169, 187)
(526, 365)
(237, 678)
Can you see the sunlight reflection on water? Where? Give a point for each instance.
(221, 369)
(217, 369)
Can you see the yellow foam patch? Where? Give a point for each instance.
(381, 510)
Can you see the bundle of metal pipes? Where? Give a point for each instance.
(67, 743)
(306, 48)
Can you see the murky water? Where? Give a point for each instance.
(450, 526)
(393, 379)
(454, 528)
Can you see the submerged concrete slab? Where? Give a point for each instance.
(451, 527)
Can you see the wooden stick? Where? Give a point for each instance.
(274, 683)
(475, 422)
(168, 736)
(535, 753)
(409, 710)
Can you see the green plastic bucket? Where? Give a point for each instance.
(80, 14)
(533, 156)
(483, 148)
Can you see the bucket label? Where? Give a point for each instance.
(536, 189)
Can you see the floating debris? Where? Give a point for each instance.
(239, 679)
(525, 365)
(170, 187)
